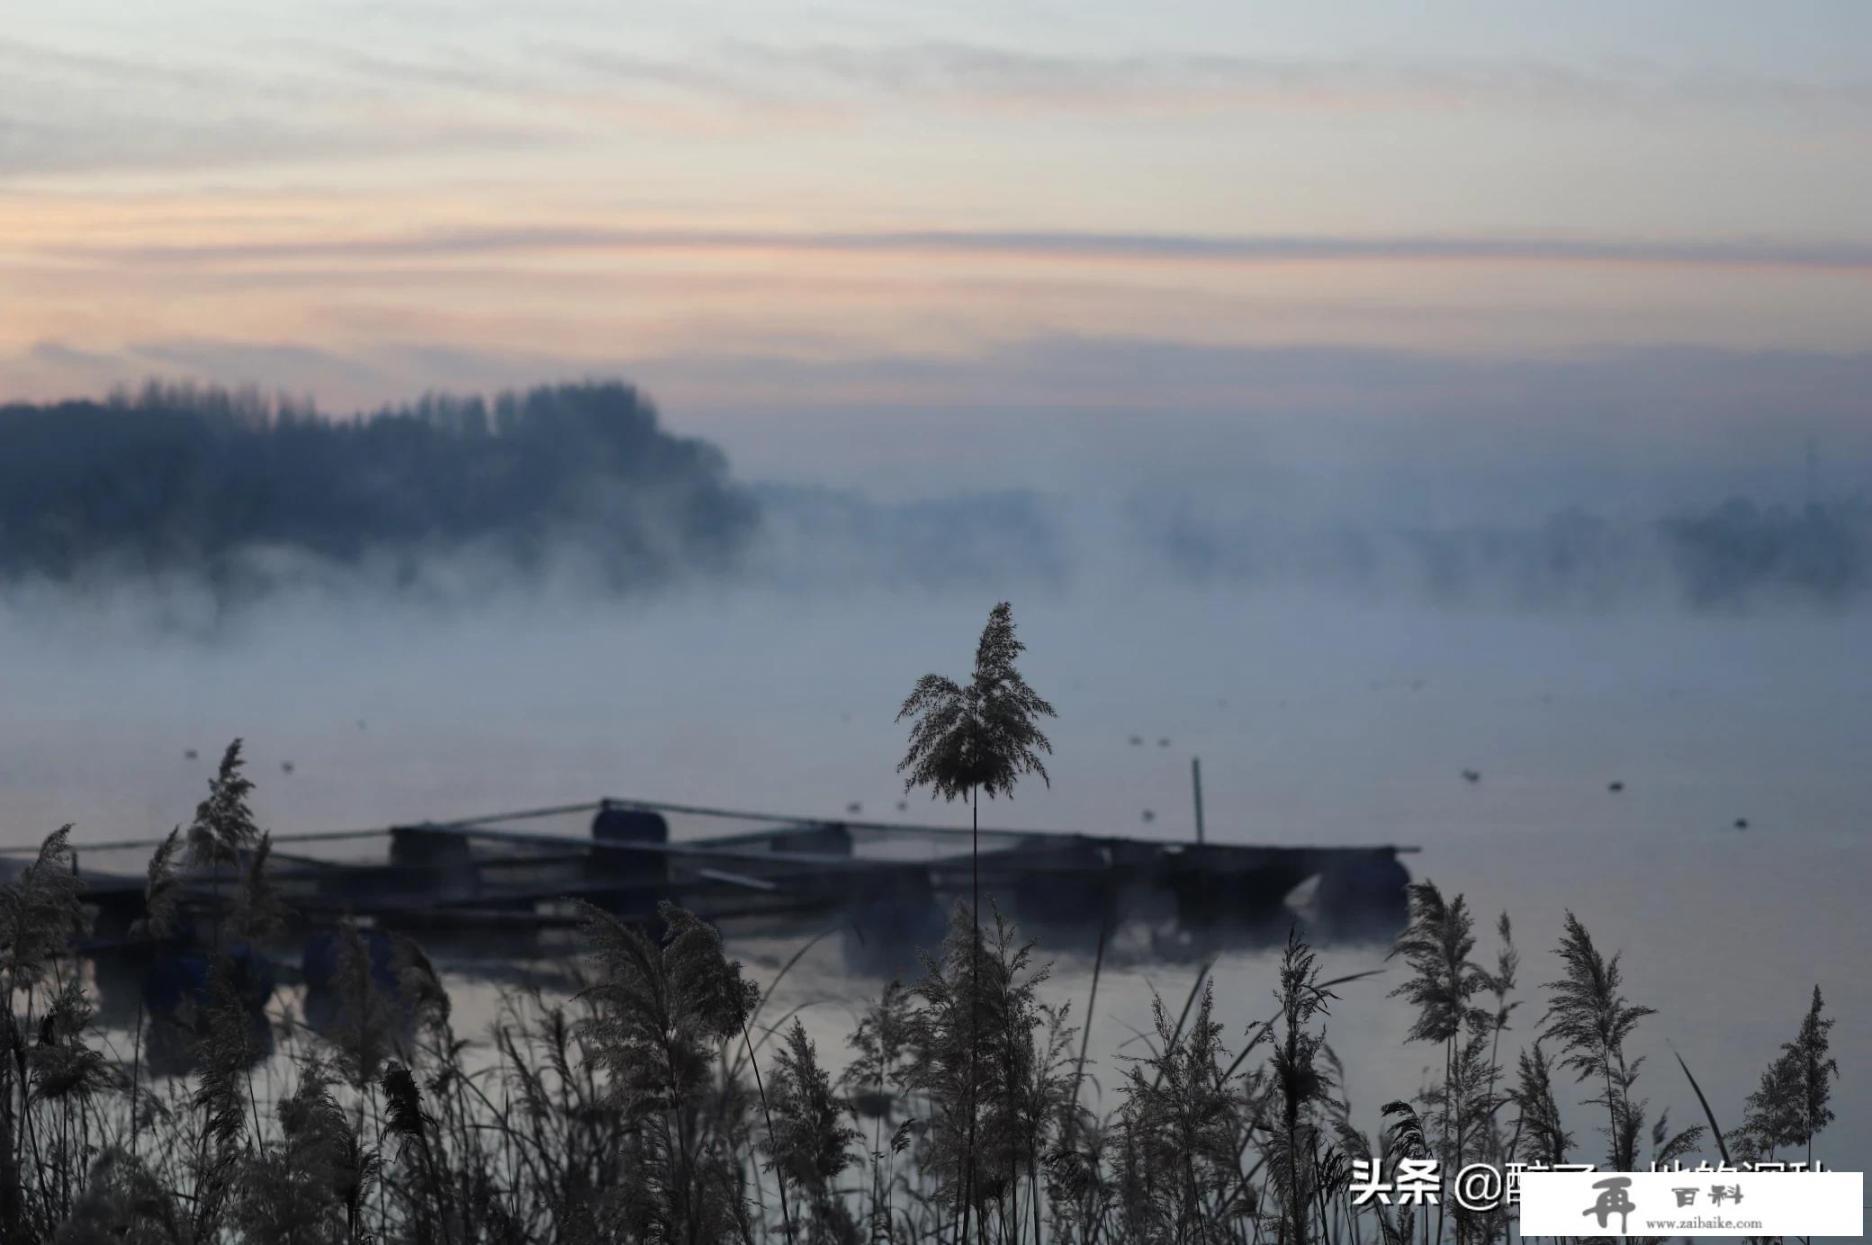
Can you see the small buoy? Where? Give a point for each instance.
(1137, 741)
(1164, 742)
(1741, 823)
(286, 767)
(1615, 786)
(191, 754)
(854, 808)
(1472, 776)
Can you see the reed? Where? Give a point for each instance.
(635, 1105)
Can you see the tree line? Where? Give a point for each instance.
(180, 478)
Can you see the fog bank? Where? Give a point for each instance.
(188, 505)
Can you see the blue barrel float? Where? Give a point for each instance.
(387, 956)
(179, 989)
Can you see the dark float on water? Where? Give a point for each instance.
(492, 882)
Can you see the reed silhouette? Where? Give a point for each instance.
(631, 1105)
(966, 741)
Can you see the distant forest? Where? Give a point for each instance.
(1732, 555)
(181, 478)
(244, 492)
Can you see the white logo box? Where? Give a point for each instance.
(1692, 1203)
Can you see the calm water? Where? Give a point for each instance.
(1318, 720)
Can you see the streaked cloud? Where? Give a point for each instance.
(1019, 245)
(309, 92)
(65, 110)
(1002, 77)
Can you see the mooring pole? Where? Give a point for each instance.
(1196, 789)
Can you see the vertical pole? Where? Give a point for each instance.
(1196, 788)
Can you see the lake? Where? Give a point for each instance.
(1318, 718)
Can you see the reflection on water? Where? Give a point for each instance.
(1319, 723)
(1713, 956)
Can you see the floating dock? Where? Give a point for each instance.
(518, 871)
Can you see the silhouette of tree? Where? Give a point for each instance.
(196, 479)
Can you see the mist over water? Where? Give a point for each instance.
(1317, 714)
(1320, 716)
(1336, 668)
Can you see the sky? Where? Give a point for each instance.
(865, 243)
